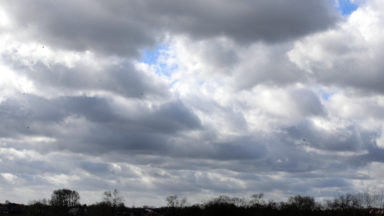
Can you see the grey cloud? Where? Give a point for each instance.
(362, 74)
(217, 54)
(348, 138)
(235, 148)
(123, 28)
(241, 150)
(348, 56)
(107, 127)
(107, 130)
(165, 118)
(172, 111)
(375, 153)
(20, 114)
(258, 155)
(332, 182)
(266, 65)
(84, 25)
(100, 128)
(247, 21)
(145, 131)
(95, 168)
(307, 103)
(249, 66)
(29, 167)
(120, 77)
(184, 181)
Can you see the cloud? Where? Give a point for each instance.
(124, 28)
(342, 138)
(347, 56)
(96, 124)
(58, 72)
(242, 67)
(256, 96)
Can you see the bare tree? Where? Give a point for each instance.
(113, 198)
(347, 201)
(257, 199)
(174, 201)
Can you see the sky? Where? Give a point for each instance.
(194, 98)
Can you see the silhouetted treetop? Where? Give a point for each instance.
(65, 198)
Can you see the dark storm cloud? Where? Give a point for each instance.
(125, 27)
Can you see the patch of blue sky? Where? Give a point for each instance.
(326, 95)
(155, 58)
(151, 56)
(346, 7)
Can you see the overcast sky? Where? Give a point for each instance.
(196, 98)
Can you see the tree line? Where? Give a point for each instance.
(348, 204)
(67, 202)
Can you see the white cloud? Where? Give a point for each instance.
(347, 56)
(9, 177)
